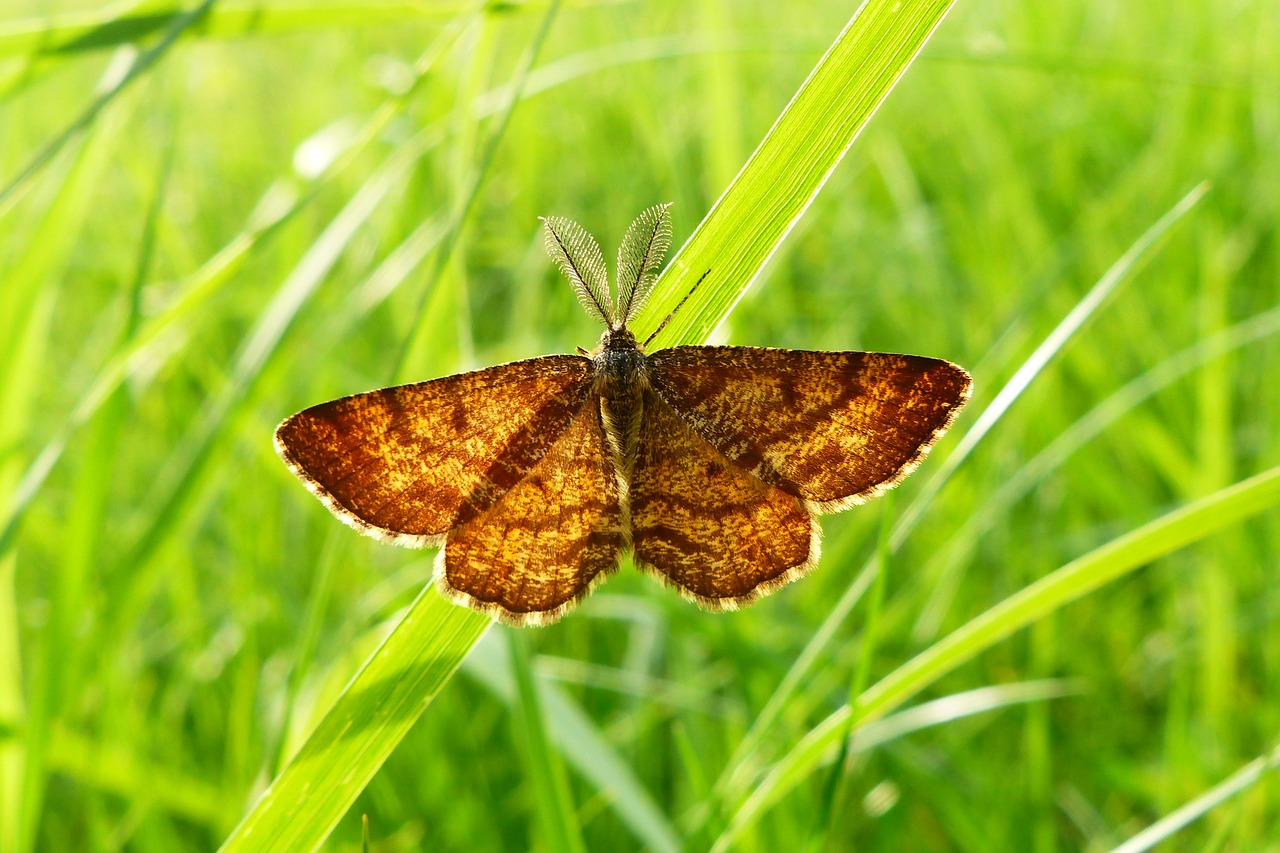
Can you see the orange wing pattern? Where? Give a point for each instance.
(544, 544)
(721, 535)
(410, 463)
(511, 468)
(833, 428)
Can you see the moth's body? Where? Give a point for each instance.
(620, 378)
(708, 464)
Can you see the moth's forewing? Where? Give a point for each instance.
(719, 534)
(410, 463)
(833, 428)
(538, 550)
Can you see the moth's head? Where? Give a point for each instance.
(579, 257)
(618, 339)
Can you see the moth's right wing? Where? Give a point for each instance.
(551, 538)
(699, 522)
(410, 463)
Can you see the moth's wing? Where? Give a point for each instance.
(833, 428)
(718, 533)
(410, 463)
(544, 544)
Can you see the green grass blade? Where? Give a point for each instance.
(835, 788)
(784, 174)
(814, 748)
(1176, 530)
(587, 749)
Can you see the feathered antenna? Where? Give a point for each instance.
(579, 257)
(641, 254)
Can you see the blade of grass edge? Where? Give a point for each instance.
(1167, 826)
(545, 771)
(765, 200)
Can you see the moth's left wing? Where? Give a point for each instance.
(832, 428)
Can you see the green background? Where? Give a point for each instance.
(275, 210)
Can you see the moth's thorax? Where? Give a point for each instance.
(621, 377)
(620, 365)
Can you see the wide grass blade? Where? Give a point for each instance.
(784, 174)
(373, 714)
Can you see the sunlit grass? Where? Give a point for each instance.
(201, 233)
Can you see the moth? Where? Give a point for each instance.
(709, 464)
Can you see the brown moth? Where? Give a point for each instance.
(710, 464)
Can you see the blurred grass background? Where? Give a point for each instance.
(264, 216)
